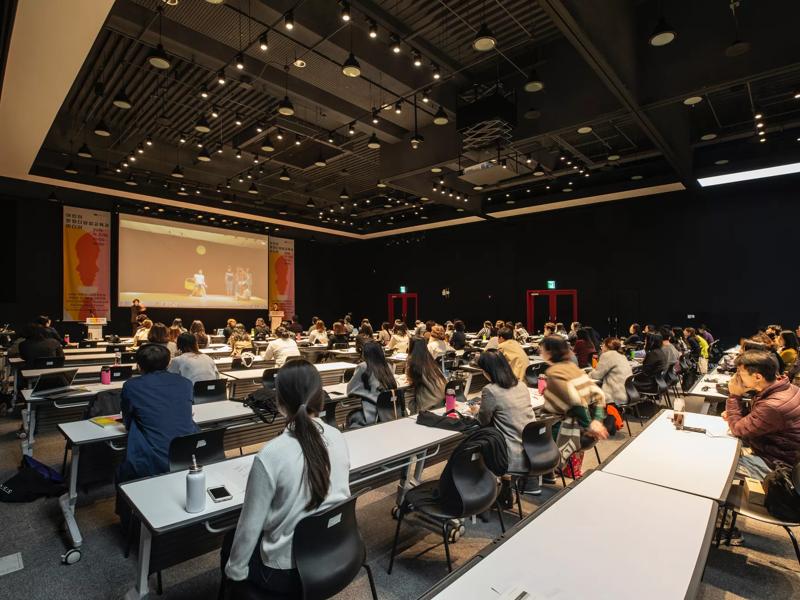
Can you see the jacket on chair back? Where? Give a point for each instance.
(772, 428)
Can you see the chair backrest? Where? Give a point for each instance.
(87, 344)
(121, 372)
(467, 487)
(116, 348)
(630, 390)
(391, 405)
(206, 446)
(48, 362)
(661, 382)
(328, 550)
(532, 373)
(458, 386)
(293, 357)
(128, 358)
(341, 346)
(268, 378)
(347, 375)
(540, 447)
(670, 376)
(212, 390)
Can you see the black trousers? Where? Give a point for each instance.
(262, 582)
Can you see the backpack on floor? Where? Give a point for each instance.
(33, 480)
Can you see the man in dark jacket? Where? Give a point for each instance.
(772, 428)
(38, 344)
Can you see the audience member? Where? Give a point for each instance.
(159, 334)
(339, 335)
(385, 333)
(318, 333)
(437, 345)
(38, 344)
(282, 347)
(459, 338)
(513, 352)
(295, 327)
(141, 335)
(190, 362)
(612, 370)
(400, 339)
(583, 348)
(371, 377)
(364, 336)
(239, 340)
(424, 374)
(199, 331)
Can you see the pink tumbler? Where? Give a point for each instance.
(105, 376)
(450, 403)
(541, 385)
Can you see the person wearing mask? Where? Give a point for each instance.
(485, 332)
(159, 334)
(787, 349)
(400, 339)
(385, 333)
(520, 333)
(318, 334)
(178, 322)
(49, 331)
(570, 392)
(371, 377)
(306, 469)
(706, 334)
(512, 352)
(228, 330)
(583, 348)
(612, 370)
(424, 374)
(191, 363)
(282, 347)
(198, 330)
(156, 408)
(38, 344)
(505, 405)
(573, 332)
(339, 335)
(437, 345)
(295, 327)
(459, 338)
(137, 308)
(635, 336)
(364, 336)
(260, 329)
(142, 333)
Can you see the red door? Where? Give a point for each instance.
(403, 307)
(550, 305)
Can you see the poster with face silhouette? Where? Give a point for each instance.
(281, 274)
(87, 270)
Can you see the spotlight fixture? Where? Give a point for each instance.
(204, 156)
(266, 145)
(426, 95)
(238, 153)
(381, 185)
(351, 129)
(374, 116)
(84, 151)
(284, 176)
(663, 34)
(214, 112)
(395, 44)
(202, 125)
(148, 140)
(279, 135)
(345, 11)
(484, 39)
(288, 20)
(373, 143)
(534, 83)
(240, 61)
(416, 58)
(285, 107)
(70, 168)
(437, 74)
(758, 114)
(102, 129)
(252, 189)
(221, 77)
(416, 141)
(297, 140)
(263, 42)
(351, 68)
(255, 159)
(398, 107)
(131, 180)
(158, 58)
(177, 172)
(440, 118)
(199, 143)
(121, 100)
(299, 63)
(330, 137)
(504, 163)
(182, 138)
(310, 203)
(344, 195)
(140, 148)
(373, 29)
(321, 162)
(238, 120)
(203, 92)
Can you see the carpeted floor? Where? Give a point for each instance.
(764, 568)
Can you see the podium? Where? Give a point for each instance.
(94, 327)
(275, 319)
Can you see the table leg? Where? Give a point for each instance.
(141, 591)
(408, 481)
(27, 443)
(68, 500)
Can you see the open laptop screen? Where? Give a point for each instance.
(54, 381)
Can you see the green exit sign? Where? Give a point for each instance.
(551, 284)
(402, 289)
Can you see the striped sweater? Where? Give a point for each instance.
(571, 391)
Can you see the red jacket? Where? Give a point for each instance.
(772, 429)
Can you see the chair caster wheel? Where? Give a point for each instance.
(22, 435)
(70, 557)
(453, 533)
(395, 512)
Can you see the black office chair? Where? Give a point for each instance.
(213, 390)
(634, 400)
(268, 377)
(111, 348)
(87, 344)
(206, 446)
(328, 413)
(715, 352)
(391, 405)
(532, 373)
(671, 379)
(466, 488)
(48, 362)
(347, 375)
(121, 372)
(542, 453)
(340, 346)
(469, 355)
(128, 358)
(295, 357)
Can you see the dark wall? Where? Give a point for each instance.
(724, 255)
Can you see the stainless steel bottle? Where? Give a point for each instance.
(195, 488)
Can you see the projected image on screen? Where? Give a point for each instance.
(170, 264)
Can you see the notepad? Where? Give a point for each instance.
(107, 421)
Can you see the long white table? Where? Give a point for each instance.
(706, 386)
(695, 463)
(159, 502)
(564, 551)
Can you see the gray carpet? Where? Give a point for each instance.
(764, 568)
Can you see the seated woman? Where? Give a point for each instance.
(458, 340)
(613, 368)
(156, 408)
(424, 374)
(141, 335)
(385, 333)
(228, 330)
(654, 364)
(174, 332)
(260, 329)
(400, 339)
(339, 335)
(318, 333)
(159, 334)
(437, 345)
(787, 348)
(571, 393)
(364, 336)
(38, 344)
(178, 322)
(304, 470)
(191, 363)
(520, 333)
(198, 330)
(485, 332)
(506, 405)
(240, 341)
(281, 348)
(583, 348)
(370, 378)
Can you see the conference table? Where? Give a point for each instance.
(706, 387)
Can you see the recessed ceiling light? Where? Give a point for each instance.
(721, 161)
(706, 137)
(613, 157)
(663, 34)
(484, 39)
(636, 177)
(538, 173)
(566, 189)
(584, 130)
(299, 63)
(692, 100)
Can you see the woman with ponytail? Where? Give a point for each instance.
(304, 470)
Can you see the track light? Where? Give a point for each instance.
(203, 92)
(288, 20)
(158, 58)
(398, 107)
(373, 143)
(70, 168)
(345, 12)
(351, 129)
(102, 129)
(534, 83)
(416, 141)
(255, 159)
(259, 127)
(267, 145)
(177, 172)
(280, 134)
(240, 61)
(484, 39)
(284, 176)
(84, 151)
(297, 140)
(221, 77)
(214, 112)
(381, 185)
(375, 116)
(140, 148)
(321, 162)
(426, 95)
(310, 203)
(182, 138)
(237, 119)
(252, 189)
(263, 42)
(202, 125)
(437, 74)
(330, 137)
(440, 118)
(395, 44)
(416, 58)
(344, 195)
(204, 156)
(238, 153)
(663, 34)
(373, 29)
(121, 100)
(351, 68)
(285, 107)
(130, 180)
(148, 140)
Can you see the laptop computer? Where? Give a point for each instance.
(56, 385)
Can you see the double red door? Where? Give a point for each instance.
(550, 305)
(403, 307)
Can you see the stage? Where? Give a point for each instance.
(167, 300)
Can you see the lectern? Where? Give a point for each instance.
(275, 319)
(94, 327)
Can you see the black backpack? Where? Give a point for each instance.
(32, 481)
(782, 492)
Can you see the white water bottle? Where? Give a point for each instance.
(195, 488)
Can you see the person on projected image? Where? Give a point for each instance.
(243, 290)
(199, 284)
(229, 281)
